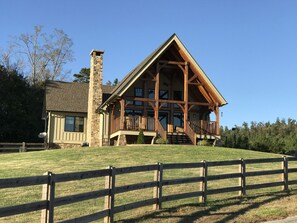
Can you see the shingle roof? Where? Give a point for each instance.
(69, 96)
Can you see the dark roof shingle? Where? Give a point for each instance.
(69, 96)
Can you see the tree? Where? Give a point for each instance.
(140, 137)
(20, 108)
(108, 83)
(44, 55)
(278, 137)
(6, 59)
(83, 76)
(115, 82)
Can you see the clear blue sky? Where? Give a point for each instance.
(247, 48)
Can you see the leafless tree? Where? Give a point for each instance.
(44, 55)
(10, 61)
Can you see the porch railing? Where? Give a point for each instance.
(191, 133)
(162, 131)
(204, 127)
(133, 123)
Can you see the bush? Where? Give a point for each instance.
(140, 138)
(204, 142)
(161, 141)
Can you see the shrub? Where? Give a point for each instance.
(204, 142)
(140, 138)
(161, 141)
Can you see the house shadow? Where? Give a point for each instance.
(214, 211)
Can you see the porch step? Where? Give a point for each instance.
(178, 138)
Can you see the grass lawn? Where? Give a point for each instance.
(220, 208)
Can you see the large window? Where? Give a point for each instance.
(178, 120)
(164, 96)
(177, 96)
(74, 124)
(138, 93)
(151, 93)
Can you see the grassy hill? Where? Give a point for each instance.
(220, 207)
(69, 160)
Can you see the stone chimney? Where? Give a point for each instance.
(95, 98)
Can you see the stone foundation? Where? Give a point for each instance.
(64, 145)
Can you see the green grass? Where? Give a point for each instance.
(70, 160)
(82, 159)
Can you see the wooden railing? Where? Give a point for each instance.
(191, 133)
(161, 130)
(22, 147)
(49, 181)
(133, 123)
(204, 127)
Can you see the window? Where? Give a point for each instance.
(178, 120)
(74, 124)
(164, 96)
(151, 94)
(138, 92)
(177, 96)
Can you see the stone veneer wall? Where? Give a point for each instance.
(95, 98)
(64, 145)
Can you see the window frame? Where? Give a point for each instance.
(138, 103)
(74, 125)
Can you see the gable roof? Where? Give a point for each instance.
(69, 96)
(131, 77)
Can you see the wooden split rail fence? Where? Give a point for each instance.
(22, 147)
(50, 201)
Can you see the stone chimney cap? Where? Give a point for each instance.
(97, 52)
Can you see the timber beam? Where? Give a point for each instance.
(170, 101)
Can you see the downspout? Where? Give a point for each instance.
(49, 128)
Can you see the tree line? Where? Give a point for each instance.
(20, 108)
(278, 137)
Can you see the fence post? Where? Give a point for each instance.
(158, 176)
(23, 147)
(109, 199)
(285, 176)
(242, 179)
(203, 183)
(48, 194)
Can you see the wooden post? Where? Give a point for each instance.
(122, 113)
(45, 196)
(157, 89)
(242, 179)
(203, 184)
(109, 199)
(186, 97)
(217, 113)
(112, 120)
(48, 194)
(158, 176)
(285, 176)
(23, 147)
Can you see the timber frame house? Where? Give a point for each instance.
(167, 95)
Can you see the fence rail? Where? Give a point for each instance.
(50, 201)
(22, 147)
